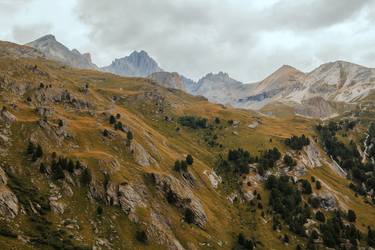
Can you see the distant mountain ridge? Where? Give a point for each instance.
(334, 82)
(55, 50)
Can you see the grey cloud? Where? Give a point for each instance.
(313, 14)
(195, 37)
(24, 34)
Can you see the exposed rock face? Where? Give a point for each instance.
(141, 156)
(168, 80)
(184, 197)
(3, 177)
(160, 230)
(129, 198)
(138, 64)
(54, 50)
(8, 202)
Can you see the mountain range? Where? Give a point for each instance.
(331, 85)
(94, 160)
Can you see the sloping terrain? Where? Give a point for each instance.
(90, 159)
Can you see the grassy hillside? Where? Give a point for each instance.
(132, 198)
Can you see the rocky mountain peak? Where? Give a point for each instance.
(57, 51)
(138, 64)
(220, 76)
(286, 69)
(284, 77)
(48, 37)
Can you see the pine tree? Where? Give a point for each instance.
(189, 216)
(86, 177)
(112, 119)
(351, 216)
(105, 133)
(371, 237)
(141, 236)
(38, 153)
(57, 172)
(99, 210)
(129, 136)
(30, 148)
(42, 168)
(70, 166)
(318, 185)
(177, 166)
(184, 166)
(320, 216)
(189, 159)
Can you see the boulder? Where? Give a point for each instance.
(213, 178)
(7, 117)
(253, 125)
(328, 201)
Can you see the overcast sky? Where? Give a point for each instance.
(249, 39)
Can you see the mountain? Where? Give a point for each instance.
(276, 87)
(335, 82)
(340, 81)
(90, 160)
(55, 50)
(220, 88)
(138, 64)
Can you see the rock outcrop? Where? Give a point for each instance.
(141, 156)
(129, 198)
(7, 117)
(183, 196)
(8, 200)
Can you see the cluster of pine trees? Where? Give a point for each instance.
(348, 157)
(193, 122)
(297, 143)
(287, 202)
